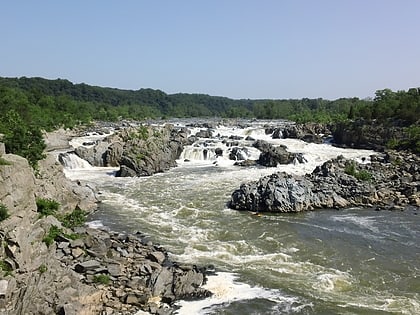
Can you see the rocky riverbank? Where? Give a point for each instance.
(48, 268)
(390, 181)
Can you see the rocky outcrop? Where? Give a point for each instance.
(308, 132)
(391, 181)
(51, 183)
(371, 135)
(139, 151)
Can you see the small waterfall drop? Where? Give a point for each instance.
(71, 160)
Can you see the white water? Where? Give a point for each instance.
(266, 259)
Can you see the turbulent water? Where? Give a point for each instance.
(355, 261)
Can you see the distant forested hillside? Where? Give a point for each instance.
(28, 105)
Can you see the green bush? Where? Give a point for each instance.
(362, 175)
(52, 234)
(5, 267)
(4, 212)
(73, 219)
(101, 279)
(43, 268)
(47, 206)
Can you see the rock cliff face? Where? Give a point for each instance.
(82, 270)
(391, 181)
(366, 135)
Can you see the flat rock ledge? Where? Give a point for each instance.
(390, 181)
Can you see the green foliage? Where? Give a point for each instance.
(4, 162)
(73, 219)
(411, 141)
(53, 232)
(21, 138)
(6, 268)
(101, 279)
(143, 132)
(4, 212)
(362, 175)
(42, 269)
(47, 206)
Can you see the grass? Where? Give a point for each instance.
(101, 279)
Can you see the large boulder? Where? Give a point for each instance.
(271, 155)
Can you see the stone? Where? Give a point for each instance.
(158, 257)
(4, 284)
(87, 265)
(77, 252)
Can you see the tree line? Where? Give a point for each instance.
(29, 105)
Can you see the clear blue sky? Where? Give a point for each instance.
(234, 48)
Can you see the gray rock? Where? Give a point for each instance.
(87, 265)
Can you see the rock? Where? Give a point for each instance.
(271, 156)
(86, 266)
(372, 135)
(329, 186)
(158, 257)
(3, 288)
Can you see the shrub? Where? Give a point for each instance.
(5, 267)
(4, 212)
(47, 206)
(363, 175)
(52, 234)
(350, 169)
(73, 219)
(43, 268)
(101, 279)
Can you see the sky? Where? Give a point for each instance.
(259, 49)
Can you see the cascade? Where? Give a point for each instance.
(71, 160)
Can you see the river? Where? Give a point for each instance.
(354, 261)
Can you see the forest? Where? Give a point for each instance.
(29, 106)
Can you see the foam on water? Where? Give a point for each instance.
(226, 289)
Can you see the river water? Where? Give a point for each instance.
(354, 261)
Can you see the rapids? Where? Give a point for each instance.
(354, 261)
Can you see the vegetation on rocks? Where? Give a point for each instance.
(4, 212)
(47, 206)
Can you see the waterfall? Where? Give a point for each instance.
(72, 161)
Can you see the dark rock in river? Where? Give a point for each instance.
(271, 156)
